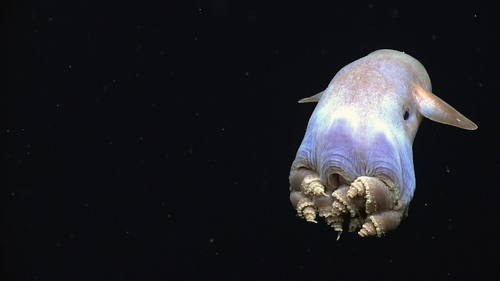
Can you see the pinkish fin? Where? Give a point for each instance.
(434, 108)
(314, 98)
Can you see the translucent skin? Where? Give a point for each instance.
(358, 126)
(363, 127)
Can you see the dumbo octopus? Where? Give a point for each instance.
(355, 163)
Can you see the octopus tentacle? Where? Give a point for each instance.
(342, 203)
(324, 205)
(311, 185)
(378, 196)
(380, 223)
(307, 210)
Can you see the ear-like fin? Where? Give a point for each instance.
(434, 108)
(314, 98)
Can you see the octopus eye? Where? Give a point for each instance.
(406, 115)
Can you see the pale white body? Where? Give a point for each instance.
(364, 126)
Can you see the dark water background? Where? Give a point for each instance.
(153, 141)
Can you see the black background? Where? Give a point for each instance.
(153, 141)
